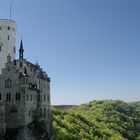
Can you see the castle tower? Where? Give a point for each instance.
(7, 41)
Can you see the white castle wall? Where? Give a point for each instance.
(7, 41)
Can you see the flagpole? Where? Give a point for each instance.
(10, 9)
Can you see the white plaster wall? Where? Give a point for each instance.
(7, 45)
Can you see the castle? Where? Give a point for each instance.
(24, 86)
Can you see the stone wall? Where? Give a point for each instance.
(25, 90)
(2, 119)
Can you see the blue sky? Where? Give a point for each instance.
(89, 48)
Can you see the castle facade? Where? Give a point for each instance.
(24, 86)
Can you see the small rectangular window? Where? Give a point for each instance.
(20, 64)
(31, 97)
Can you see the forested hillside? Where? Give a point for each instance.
(98, 120)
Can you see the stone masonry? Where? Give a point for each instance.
(24, 91)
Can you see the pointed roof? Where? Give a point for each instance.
(21, 51)
(21, 47)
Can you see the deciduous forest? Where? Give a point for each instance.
(97, 120)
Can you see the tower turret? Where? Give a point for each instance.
(7, 41)
(21, 51)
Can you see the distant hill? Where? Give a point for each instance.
(63, 106)
(98, 120)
